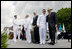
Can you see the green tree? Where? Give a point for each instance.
(64, 16)
(4, 40)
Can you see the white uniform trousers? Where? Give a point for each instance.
(28, 35)
(15, 34)
(42, 33)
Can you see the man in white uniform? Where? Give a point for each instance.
(41, 22)
(15, 27)
(27, 24)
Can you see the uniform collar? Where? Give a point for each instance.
(44, 14)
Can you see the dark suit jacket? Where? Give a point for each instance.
(52, 20)
(35, 20)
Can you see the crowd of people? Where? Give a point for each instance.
(39, 26)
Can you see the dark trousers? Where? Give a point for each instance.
(52, 31)
(36, 34)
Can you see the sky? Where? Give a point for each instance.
(21, 8)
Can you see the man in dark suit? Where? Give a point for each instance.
(52, 22)
(35, 27)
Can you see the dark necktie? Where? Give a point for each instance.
(49, 15)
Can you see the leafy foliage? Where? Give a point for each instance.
(64, 16)
(4, 38)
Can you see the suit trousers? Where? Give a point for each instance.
(36, 34)
(52, 31)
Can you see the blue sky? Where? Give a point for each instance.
(21, 8)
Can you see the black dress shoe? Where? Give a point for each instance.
(36, 42)
(51, 43)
